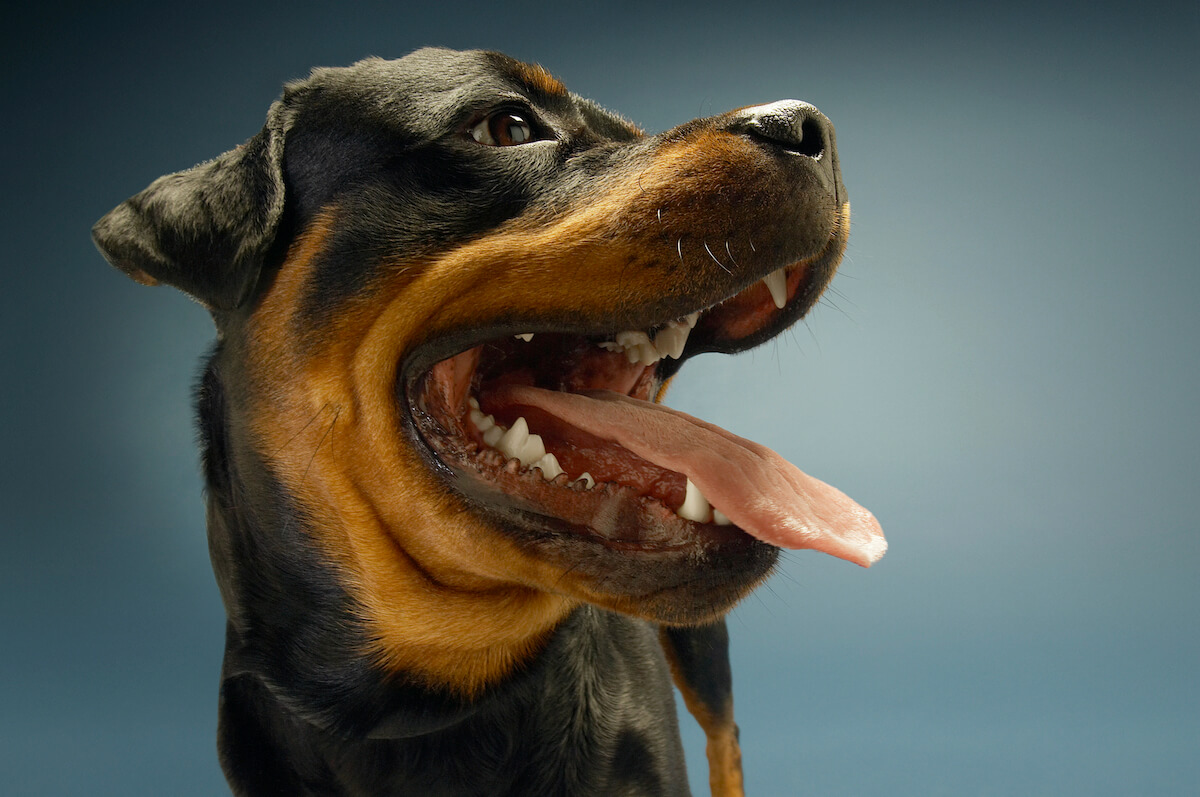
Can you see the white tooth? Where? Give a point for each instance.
(692, 319)
(525, 336)
(482, 422)
(671, 340)
(588, 481)
(549, 467)
(492, 436)
(664, 341)
(695, 505)
(532, 451)
(720, 519)
(473, 402)
(513, 441)
(633, 355)
(776, 283)
(647, 354)
(631, 339)
(611, 345)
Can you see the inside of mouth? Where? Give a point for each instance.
(566, 427)
(468, 397)
(473, 419)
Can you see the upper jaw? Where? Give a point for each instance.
(780, 294)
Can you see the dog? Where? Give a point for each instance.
(463, 547)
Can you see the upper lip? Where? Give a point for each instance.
(425, 355)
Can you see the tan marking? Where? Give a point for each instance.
(722, 749)
(447, 598)
(444, 595)
(537, 78)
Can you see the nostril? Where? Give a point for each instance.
(796, 126)
(812, 139)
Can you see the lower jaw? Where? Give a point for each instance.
(616, 549)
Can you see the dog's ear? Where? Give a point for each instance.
(205, 230)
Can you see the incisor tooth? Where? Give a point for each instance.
(776, 283)
(720, 519)
(695, 505)
(588, 481)
(525, 336)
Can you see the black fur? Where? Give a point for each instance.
(303, 710)
(592, 715)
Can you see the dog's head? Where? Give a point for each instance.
(449, 295)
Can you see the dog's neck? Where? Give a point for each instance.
(455, 632)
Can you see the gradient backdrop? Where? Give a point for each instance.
(1006, 372)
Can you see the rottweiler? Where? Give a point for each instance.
(463, 547)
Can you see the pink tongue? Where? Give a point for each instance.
(761, 492)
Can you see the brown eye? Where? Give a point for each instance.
(502, 129)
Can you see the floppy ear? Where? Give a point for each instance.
(207, 229)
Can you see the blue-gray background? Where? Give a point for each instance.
(1006, 373)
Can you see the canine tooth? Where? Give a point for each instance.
(588, 481)
(695, 505)
(492, 436)
(549, 467)
(720, 519)
(776, 283)
(525, 336)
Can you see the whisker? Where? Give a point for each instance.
(833, 289)
(825, 300)
(300, 431)
(567, 572)
(321, 442)
(714, 257)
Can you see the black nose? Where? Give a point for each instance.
(792, 124)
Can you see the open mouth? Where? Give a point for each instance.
(567, 427)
